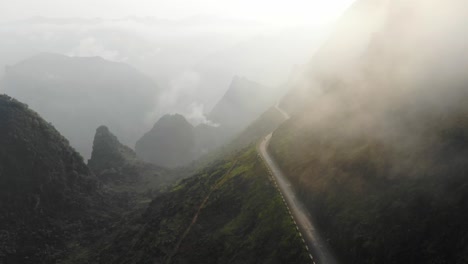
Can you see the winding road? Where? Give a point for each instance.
(317, 248)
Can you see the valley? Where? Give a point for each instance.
(145, 140)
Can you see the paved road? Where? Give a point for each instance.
(286, 115)
(318, 251)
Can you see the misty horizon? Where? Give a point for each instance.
(233, 131)
(192, 61)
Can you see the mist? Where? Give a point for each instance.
(376, 145)
(180, 131)
(399, 85)
(409, 53)
(191, 62)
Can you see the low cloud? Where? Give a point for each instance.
(176, 96)
(197, 115)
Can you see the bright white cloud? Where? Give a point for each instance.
(196, 115)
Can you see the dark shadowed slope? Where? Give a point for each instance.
(38, 166)
(45, 187)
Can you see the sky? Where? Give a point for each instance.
(193, 62)
(310, 12)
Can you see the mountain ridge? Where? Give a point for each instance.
(78, 94)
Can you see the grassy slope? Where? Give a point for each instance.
(243, 221)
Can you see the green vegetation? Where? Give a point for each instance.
(55, 210)
(241, 219)
(393, 199)
(52, 205)
(380, 154)
(47, 194)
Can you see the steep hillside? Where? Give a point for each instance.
(37, 160)
(170, 143)
(45, 188)
(79, 94)
(380, 158)
(228, 212)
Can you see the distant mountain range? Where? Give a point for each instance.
(173, 141)
(191, 59)
(79, 94)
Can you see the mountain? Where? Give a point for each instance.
(379, 154)
(243, 102)
(108, 152)
(170, 143)
(119, 167)
(38, 162)
(202, 52)
(54, 210)
(228, 212)
(77, 94)
(45, 187)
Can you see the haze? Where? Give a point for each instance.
(248, 132)
(276, 12)
(190, 50)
